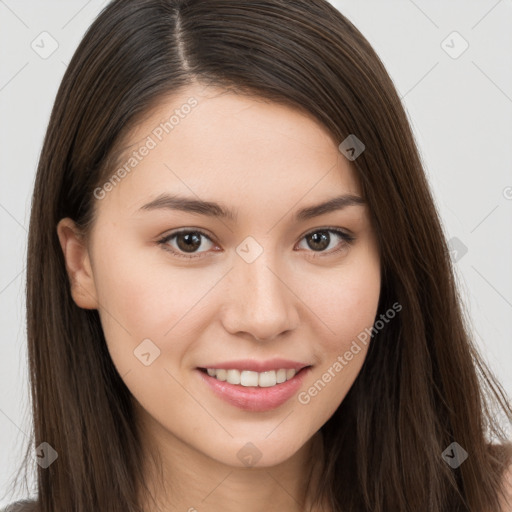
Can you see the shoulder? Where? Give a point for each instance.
(506, 502)
(21, 506)
(503, 454)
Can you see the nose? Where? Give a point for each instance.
(260, 302)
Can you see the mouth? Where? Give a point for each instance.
(254, 391)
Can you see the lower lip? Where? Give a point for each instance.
(252, 398)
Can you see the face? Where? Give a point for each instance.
(272, 286)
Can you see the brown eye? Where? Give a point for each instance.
(319, 241)
(327, 241)
(188, 242)
(183, 243)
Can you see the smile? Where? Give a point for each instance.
(254, 391)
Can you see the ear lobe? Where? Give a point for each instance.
(78, 264)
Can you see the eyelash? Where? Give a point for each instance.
(347, 240)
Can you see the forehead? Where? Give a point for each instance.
(216, 144)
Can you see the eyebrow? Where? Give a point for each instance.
(212, 209)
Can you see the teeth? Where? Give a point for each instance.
(281, 376)
(246, 378)
(233, 377)
(249, 378)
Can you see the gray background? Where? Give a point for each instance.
(460, 108)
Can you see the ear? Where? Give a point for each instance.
(78, 264)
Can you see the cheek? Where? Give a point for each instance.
(341, 352)
(345, 299)
(142, 291)
(348, 304)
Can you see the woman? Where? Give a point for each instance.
(239, 292)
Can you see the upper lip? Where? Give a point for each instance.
(257, 366)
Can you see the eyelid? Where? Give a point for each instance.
(345, 232)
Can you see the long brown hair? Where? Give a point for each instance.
(423, 385)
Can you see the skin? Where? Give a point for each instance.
(266, 161)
